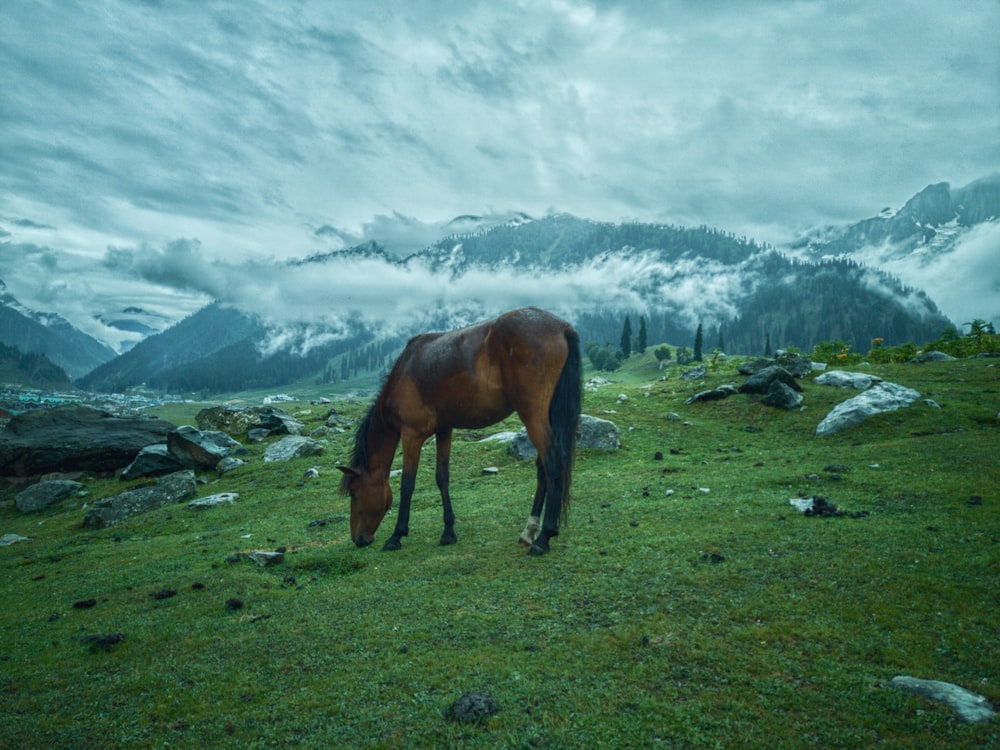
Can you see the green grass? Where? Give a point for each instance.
(680, 619)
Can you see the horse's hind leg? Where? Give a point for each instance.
(442, 475)
(535, 519)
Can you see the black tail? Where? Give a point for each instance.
(564, 417)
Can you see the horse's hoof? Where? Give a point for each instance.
(536, 549)
(448, 538)
(391, 545)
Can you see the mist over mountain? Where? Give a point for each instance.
(51, 335)
(337, 314)
(944, 240)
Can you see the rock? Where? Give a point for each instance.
(473, 706)
(881, 397)
(152, 461)
(841, 379)
(75, 438)
(8, 539)
(694, 373)
(228, 463)
(932, 357)
(782, 396)
(234, 420)
(292, 446)
(500, 437)
(279, 422)
(170, 489)
(797, 364)
(263, 558)
(44, 494)
(222, 498)
(195, 449)
(753, 366)
(311, 473)
(491, 470)
(760, 382)
(715, 394)
(970, 706)
(590, 433)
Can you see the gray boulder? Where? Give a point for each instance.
(173, 488)
(842, 379)
(234, 420)
(797, 364)
(715, 394)
(75, 438)
(279, 422)
(932, 356)
(152, 461)
(760, 382)
(292, 446)
(695, 373)
(753, 366)
(195, 449)
(782, 396)
(970, 706)
(881, 397)
(44, 494)
(591, 432)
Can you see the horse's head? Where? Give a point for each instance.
(371, 498)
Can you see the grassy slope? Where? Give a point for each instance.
(692, 619)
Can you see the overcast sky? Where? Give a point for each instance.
(255, 130)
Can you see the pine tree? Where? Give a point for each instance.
(767, 345)
(697, 344)
(626, 342)
(640, 345)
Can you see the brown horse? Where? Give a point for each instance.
(526, 361)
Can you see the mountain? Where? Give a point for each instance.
(746, 296)
(218, 349)
(135, 324)
(944, 240)
(49, 334)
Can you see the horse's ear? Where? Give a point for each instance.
(351, 472)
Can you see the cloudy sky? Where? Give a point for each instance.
(222, 134)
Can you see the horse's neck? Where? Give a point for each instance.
(382, 443)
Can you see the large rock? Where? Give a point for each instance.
(75, 438)
(44, 494)
(782, 396)
(173, 488)
(292, 446)
(932, 356)
(881, 397)
(152, 461)
(842, 379)
(590, 433)
(234, 420)
(760, 381)
(195, 449)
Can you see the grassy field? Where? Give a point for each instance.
(686, 604)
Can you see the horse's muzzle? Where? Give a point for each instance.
(363, 541)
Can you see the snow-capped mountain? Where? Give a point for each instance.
(49, 334)
(944, 240)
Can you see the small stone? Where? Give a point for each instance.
(262, 557)
(474, 706)
(491, 470)
(8, 539)
(974, 500)
(234, 604)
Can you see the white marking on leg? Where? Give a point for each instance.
(530, 530)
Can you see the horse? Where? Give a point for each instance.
(525, 361)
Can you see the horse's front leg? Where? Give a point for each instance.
(442, 476)
(411, 459)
